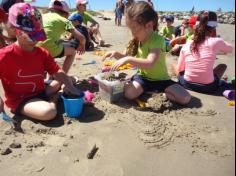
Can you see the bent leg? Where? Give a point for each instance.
(133, 90)
(178, 94)
(40, 110)
(70, 56)
(219, 70)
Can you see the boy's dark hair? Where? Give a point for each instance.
(142, 13)
(203, 30)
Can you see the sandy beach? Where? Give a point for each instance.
(193, 140)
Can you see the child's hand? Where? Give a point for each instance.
(81, 49)
(113, 54)
(120, 63)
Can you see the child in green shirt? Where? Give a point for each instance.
(148, 56)
(55, 24)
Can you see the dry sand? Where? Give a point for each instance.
(177, 141)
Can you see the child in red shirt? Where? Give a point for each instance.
(22, 68)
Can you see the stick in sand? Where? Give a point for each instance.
(92, 153)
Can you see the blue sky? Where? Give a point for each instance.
(164, 5)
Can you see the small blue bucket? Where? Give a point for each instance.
(73, 107)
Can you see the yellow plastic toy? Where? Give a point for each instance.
(99, 53)
(124, 67)
(231, 103)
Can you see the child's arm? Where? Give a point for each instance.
(223, 46)
(64, 79)
(181, 62)
(142, 63)
(81, 38)
(114, 54)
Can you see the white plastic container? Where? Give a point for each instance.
(110, 91)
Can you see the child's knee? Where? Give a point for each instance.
(178, 94)
(48, 113)
(131, 92)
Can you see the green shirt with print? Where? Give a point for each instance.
(86, 17)
(167, 32)
(159, 70)
(54, 26)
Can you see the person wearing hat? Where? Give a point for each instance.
(22, 68)
(94, 30)
(6, 35)
(180, 30)
(178, 42)
(55, 24)
(77, 21)
(196, 62)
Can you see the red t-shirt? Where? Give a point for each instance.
(22, 73)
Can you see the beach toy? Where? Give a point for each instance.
(99, 53)
(89, 96)
(7, 118)
(231, 103)
(90, 63)
(229, 94)
(73, 107)
(141, 104)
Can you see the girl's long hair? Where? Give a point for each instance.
(142, 13)
(202, 30)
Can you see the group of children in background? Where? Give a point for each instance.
(23, 63)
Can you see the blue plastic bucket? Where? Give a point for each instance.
(73, 107)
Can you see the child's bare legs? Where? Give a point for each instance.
(97, 35)
(70, 56)
(133, 90)
(178, 94)
(43, 110)
(219, 70)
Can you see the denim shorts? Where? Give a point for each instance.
(42, 96)
(151, 86)
(198, 87)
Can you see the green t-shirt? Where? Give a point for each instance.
(159, 71)
(86, 17)
(189, 36)
(167, 32)
(54, 26)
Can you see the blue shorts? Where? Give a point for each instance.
(197, 87)
(151, 86)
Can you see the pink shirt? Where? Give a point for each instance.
(198, 67)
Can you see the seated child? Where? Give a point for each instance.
(22, 68)
(77, 21)
(55, 24)
(180, 30)
(147, 54)
(197, 57)
(168, 31)
(178, 42)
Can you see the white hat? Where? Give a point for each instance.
(81, 2)
(59, 5)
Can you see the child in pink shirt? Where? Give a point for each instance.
(196, 62)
